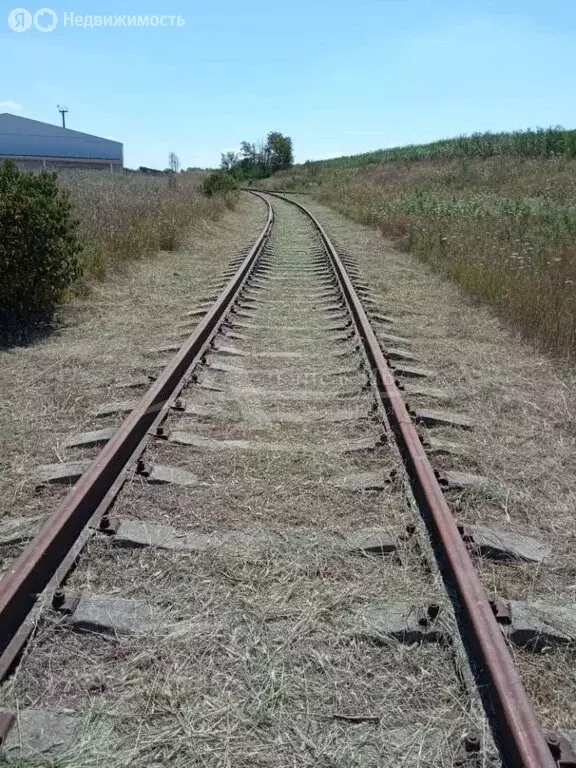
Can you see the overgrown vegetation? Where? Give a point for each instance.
(122, 218)
(494, 212)
(39, 247)
(257, 161)
(62, 231)
(219, 183)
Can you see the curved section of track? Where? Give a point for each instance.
(286, 375)
(520, 739)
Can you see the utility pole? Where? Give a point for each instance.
(63, 111)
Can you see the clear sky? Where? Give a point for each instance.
(339, 76)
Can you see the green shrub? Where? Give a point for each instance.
(219, 183)
(38, 246)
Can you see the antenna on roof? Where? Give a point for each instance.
(63, 111)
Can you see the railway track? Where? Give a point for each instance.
(261, 565)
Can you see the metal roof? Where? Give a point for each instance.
(22, 137)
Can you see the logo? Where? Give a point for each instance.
(46, 20)
(21, 20)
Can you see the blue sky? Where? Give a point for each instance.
(339, 76)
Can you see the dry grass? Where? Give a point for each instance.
(263, 489)
(243, 489)
(523, 441)
(257, 663)
(50, 389)
(523, 405)
(501, 227)
(122, 218)
(259, 660)
(550, 677)
(504, 230)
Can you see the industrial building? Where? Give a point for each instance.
(33, 144)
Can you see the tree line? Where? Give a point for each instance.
(260, 159)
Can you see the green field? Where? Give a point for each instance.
(543, 142)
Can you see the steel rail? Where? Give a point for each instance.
(42, 559)
(518, 736)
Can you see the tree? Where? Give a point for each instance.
(249, 152)
(219, 183)
(256, 160)
(228, 161)
(173, 169)
(250, 163)
(280, 151)
(173, 162)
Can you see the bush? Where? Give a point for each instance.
(219, 183)
(38, 245)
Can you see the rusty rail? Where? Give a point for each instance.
(45, 560)
(519, 737)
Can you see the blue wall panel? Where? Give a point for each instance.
(29, 138)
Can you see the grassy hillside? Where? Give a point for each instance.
(543, 142)
(494, 212)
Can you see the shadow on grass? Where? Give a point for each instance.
(24, 332)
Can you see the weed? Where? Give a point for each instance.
(494, 212)
(123, 218)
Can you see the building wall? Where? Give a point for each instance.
(22, 138)
(52, 163)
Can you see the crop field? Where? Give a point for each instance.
(496, 213)
(544, 142)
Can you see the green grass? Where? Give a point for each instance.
(496, 213)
